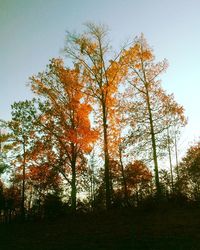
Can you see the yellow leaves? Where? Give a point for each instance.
(91, 48)
(146, 55)
(86, 46)
(82, 42)
(139, 52)
(130, 55)
(114, 74)
(68, 117)
(138, 66)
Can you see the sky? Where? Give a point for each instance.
(33, 32)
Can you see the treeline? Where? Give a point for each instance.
(94, 131)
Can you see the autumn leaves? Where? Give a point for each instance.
(123, 95)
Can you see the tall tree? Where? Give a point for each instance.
(3, 138)
(189, 173)
(101, 76)
(174, 121)
(149, 112)
(65, 118)
(21, 126)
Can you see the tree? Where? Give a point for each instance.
(149, 113)
(174, 120)
(65, 118)
(138, 178)
(20, 127)
(101, 77)
(189, 181)
(3, 165)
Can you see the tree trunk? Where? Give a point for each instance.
(176, 155)
(73, 186)
(92, 182)
(23, 182)
(123, 177)
(153, 141)
(170, 161)
(106, 158)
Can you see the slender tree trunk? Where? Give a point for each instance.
(30, 200)
(92, 184)
(153, 141)
(176, 155)
(170, 161)
(92, 190)
(106, 159)
(123, 177)
(23, 182)
(73, 186)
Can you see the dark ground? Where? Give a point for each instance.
(118, 229)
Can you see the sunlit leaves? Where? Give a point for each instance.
(111, 92)
(65, 118)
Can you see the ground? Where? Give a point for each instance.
(156, 229)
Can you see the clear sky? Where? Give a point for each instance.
(33, 31)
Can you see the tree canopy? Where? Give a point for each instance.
(93, 136)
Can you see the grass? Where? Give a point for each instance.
(118, 229)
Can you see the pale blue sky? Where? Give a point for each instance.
(33, 31)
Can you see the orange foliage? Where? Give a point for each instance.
(137, 172)
(67, 106)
